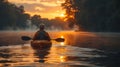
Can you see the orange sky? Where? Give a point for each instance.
(45, 8)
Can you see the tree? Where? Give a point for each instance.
(70, 12)
(94, 15)
(7, 16)
(36, 20)
(11, 16)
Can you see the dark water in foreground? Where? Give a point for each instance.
(80, 49)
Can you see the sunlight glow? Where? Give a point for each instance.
(39, 8)
(62, 58)
(62, 44)
(62, 36)
(45, 8)
(62, 15)
(48, 15)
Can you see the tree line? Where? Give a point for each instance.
(94, 15)
(13, 17)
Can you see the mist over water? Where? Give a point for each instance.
(88, 49)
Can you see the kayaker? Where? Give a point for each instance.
(41, 34)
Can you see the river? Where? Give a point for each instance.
(80, 49)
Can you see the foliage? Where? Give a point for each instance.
(70, 12)
(95, 15)
(12, 16)
(36, 20)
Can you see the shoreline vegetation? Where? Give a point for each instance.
(88, 15)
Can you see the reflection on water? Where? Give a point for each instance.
(41, 55)
(62, 54)
(57, 55)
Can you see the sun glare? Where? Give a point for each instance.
(62, 15)
(62, 36)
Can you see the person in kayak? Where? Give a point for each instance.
(41, 34)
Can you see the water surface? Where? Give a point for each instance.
(80, 49)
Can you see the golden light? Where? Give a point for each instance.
(62, 43)
(44, 12)
(62, 36)
(62, 58)
(62, 15)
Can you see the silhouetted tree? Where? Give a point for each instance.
(36, 20)
(12, 16)
(95, 15)
(70, 12)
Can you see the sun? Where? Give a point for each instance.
(62, 15)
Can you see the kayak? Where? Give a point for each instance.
(41, 44)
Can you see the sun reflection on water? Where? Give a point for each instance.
(62, 44)
(62, 58)
(65, 53)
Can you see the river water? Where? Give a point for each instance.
(80, 49)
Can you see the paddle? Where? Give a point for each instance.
(27, 38)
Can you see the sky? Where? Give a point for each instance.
(45, 8)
